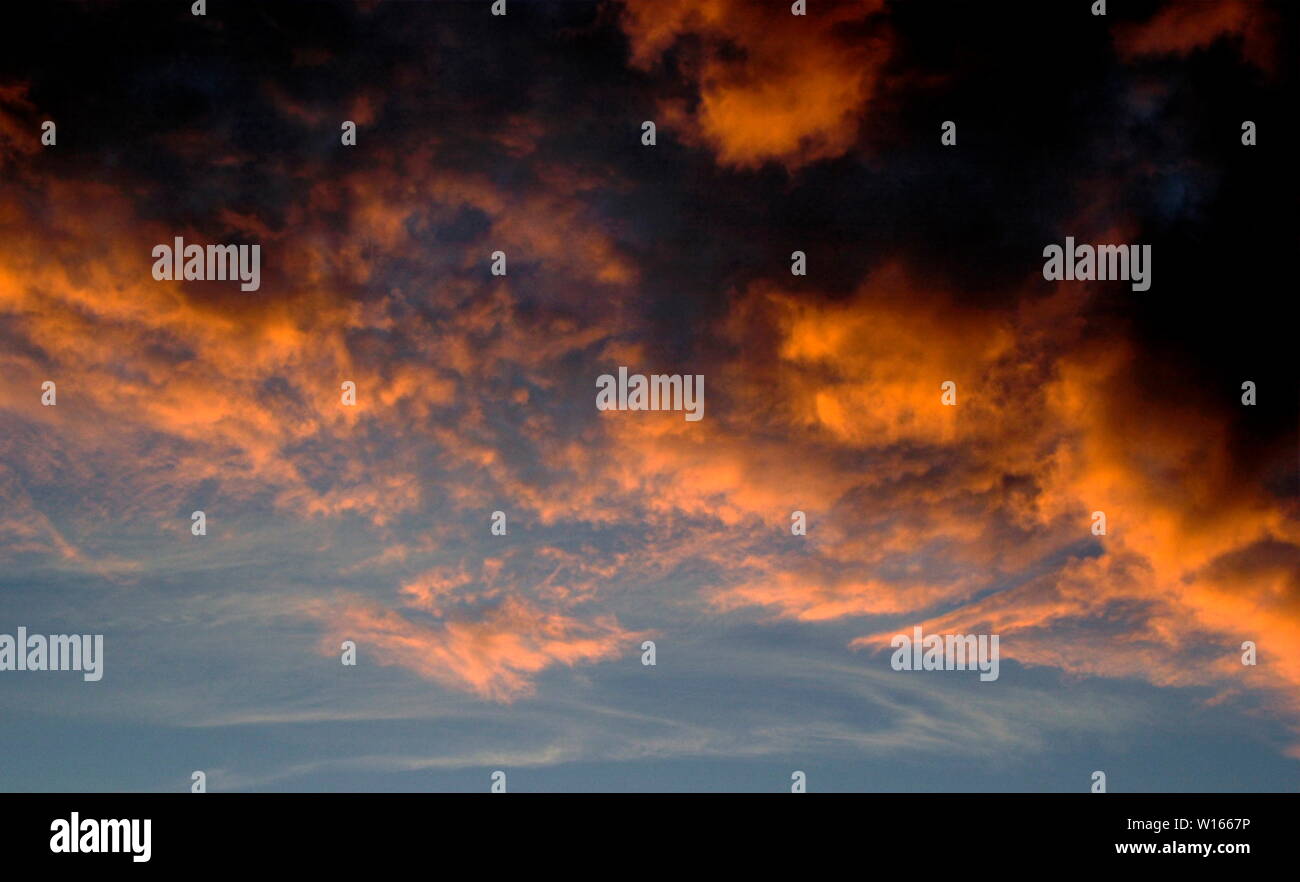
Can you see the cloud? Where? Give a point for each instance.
(766, 86)
(476, 392)
(1182, 28)
(494, 656)
(976, 517)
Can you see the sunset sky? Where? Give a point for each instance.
(476, 393)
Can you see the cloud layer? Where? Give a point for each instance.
(475, 392)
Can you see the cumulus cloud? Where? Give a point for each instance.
(765, 86)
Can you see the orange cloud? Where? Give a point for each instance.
(951, 505)
(770, 86)
(494, 656)
(974, 516)
(1182, 28)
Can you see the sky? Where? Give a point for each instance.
(475, 393)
